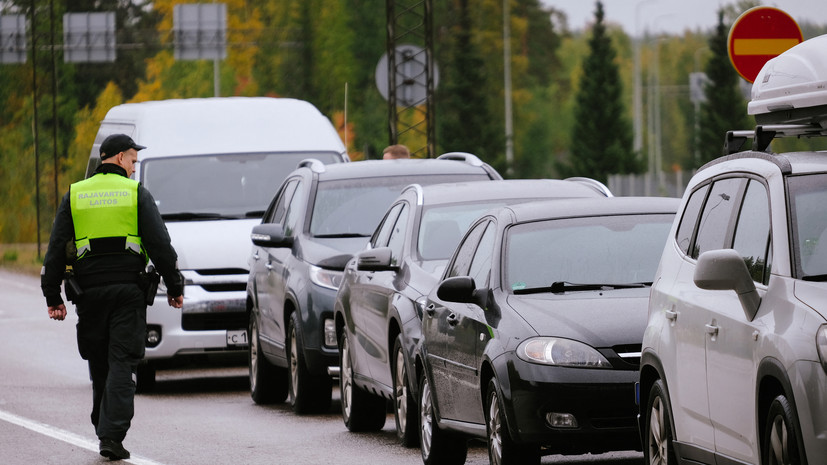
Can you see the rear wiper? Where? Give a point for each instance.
(340, 235)
(815, 277)
(196, 216)
(560, 287)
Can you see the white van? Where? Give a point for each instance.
(213, 165)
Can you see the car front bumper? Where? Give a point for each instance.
(571, 410)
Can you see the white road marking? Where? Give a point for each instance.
(65, 436)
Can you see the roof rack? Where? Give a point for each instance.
(469, 158)
(593, 183)
(315, 165)
(762, 135)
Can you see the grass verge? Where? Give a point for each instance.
(22, 258)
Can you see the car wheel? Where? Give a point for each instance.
(404, 411)
(361, 411)
(145, 377)
(657, 446)
(308, 393)
(268, 383)
(502, 450)
(438, 447)
(780, 445)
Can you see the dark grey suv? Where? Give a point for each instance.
(320, 216)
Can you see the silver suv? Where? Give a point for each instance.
(734, 357)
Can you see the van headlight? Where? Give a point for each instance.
(330, 279)
(821, 345)
(561, 352)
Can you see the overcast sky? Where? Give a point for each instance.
(674, 16)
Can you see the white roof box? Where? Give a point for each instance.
(792, 87)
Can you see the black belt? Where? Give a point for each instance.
(105, 279)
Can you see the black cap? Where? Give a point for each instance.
(117, 143)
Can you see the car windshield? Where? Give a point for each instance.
(808, 195)
(353, 207)
(237, 185)
(585, 253)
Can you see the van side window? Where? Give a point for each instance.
(690, 218)
(717, 216)
(752, 234)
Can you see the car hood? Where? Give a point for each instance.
(330, 253)
(813, 294)
(598, 318)
(212, 244)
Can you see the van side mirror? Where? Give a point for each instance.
(462, 289)
(723, 270)
(270, 235)
(378, 259)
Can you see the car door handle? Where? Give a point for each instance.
(430, 309)
(255, 255)
(269, 266)
(453, 319)
(712, 329)
(671, 315)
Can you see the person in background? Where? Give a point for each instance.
(396, 152)
(105, 230)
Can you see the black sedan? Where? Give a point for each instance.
(377, 320)
(532, 338)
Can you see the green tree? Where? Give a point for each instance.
(602, 135)
(463, 115)
(725, 108)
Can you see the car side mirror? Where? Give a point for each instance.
(378, 259)
(270, 235)
(724, 270)
(462, 289)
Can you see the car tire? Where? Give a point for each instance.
(657, 439)
(145, 377)
(404, 406)
(361, 411)
(502, 450)
(438, 447)
(308, 393)
(781, 434)
(268, 383)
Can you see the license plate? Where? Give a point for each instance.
(237, 338)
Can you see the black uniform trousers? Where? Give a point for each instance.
(111, 333)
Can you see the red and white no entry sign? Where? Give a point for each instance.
(758, 35)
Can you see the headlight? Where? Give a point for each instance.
(326, 278)
(561, 352)
(821, 345)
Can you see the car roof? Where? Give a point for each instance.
(787, 163)
(570, 208)
(405, 167)
(473, 191)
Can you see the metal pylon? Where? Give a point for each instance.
(411, 121)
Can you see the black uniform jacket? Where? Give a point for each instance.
(110, 268)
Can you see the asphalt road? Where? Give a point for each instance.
(196, 415)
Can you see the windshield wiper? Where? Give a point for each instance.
(815, 277)
(196, 216)
(339, 235)
(560, 287)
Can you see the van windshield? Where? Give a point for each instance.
(236, 185)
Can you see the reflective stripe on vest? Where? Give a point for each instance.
(105, 206)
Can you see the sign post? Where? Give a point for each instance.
(759, 34)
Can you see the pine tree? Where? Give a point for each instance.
(464, 120)
(602, 134)
(725, 108)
